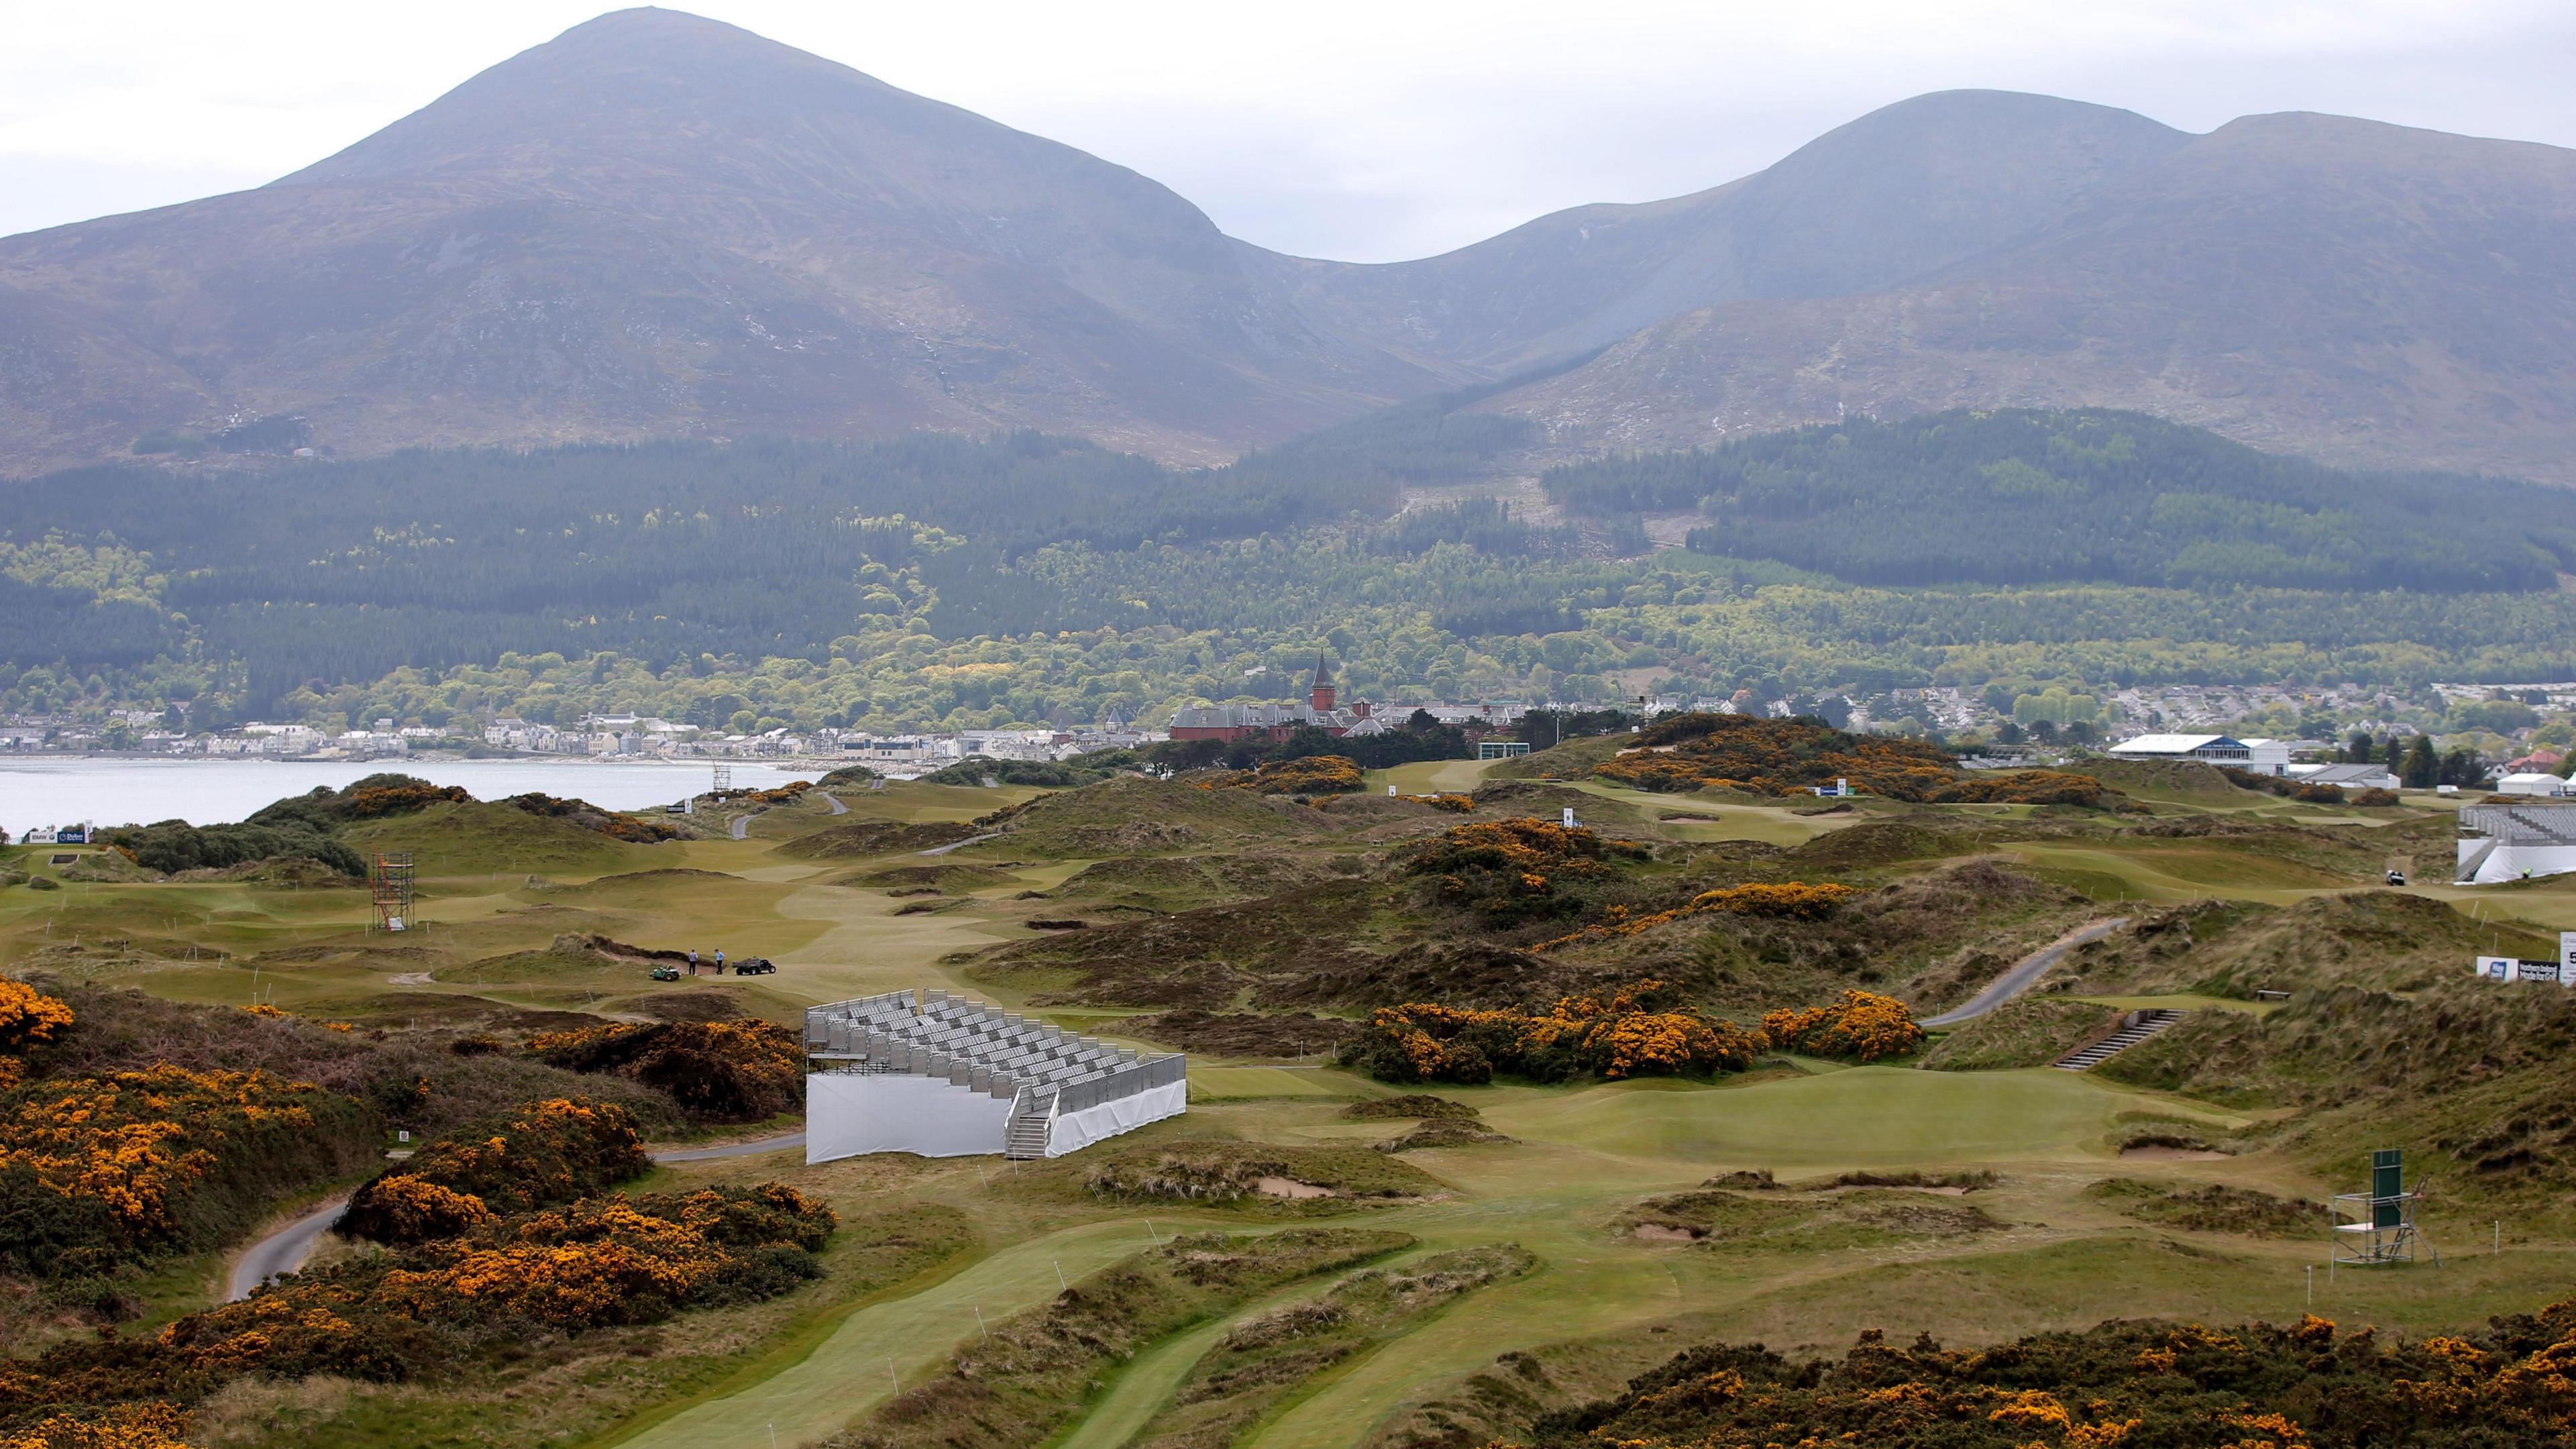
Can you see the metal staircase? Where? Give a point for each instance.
(1032, 1123)
(2139, 1026)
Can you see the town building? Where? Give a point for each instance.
(1274, 722)
(2262, 756)
(2348, 777)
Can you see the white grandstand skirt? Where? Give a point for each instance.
(848, 1114)
(2512, 858)
(1075, 1131)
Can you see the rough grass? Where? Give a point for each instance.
(1804, 1223)
(1129, 815)
(1407, 1104)
(474, 838)
(1232, 1174)
(1175, 883)
(2027, 1032)
(2380, 938)
(1444, 1132)
(875, 837)
(1034, 1371)
(2216, 1208)
(1265, 1359)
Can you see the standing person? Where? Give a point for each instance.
(719, 961)
(693, 960)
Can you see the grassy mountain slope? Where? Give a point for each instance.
(654, 225)
(2355, 291)
(1895, 194)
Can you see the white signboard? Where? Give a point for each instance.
(2495, 968)
(2566, 957)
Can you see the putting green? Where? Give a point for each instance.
(1217, 1084)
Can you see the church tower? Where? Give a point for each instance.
(1320, 693)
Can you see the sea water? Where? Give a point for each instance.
(125, 790)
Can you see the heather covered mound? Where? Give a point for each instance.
(102, 1173)
(435, 1306)
(1785, 757)
(544, 1155)
(729, 1071)
(1512, 872)
(2122, 1383)
(426, 1082)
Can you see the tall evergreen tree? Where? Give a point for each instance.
(2423, 768)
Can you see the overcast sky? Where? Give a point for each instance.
(1365, 131)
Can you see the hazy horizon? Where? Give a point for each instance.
(1279, 128)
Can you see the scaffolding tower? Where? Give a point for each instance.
(2377, 1227)
(723, 785)
(389, 880)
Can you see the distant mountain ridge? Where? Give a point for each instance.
(657, 225)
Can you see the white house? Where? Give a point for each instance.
(2262, 756)
(948, 1077)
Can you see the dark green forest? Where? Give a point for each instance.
(2092, 496)
(937, 579)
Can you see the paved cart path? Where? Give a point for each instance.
(2025, 973)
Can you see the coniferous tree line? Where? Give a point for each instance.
(2020, 496)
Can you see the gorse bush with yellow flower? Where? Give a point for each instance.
(543, 1155)
(390, 1317)
(1642, 1030)
(2137, 1383)
(1515, 871)
(1860, 1025)
(127, 1426)
(727, 1071)
(1787, 756)
(1304, 775)
(29, 1019)
(106, 1171)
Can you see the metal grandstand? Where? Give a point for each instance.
(1043, 1071)
(2487, 828)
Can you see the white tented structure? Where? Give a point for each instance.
(2500, 843)
(945, 1076)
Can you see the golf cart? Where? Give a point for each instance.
(666, 973)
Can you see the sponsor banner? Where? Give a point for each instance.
(2507, 968)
